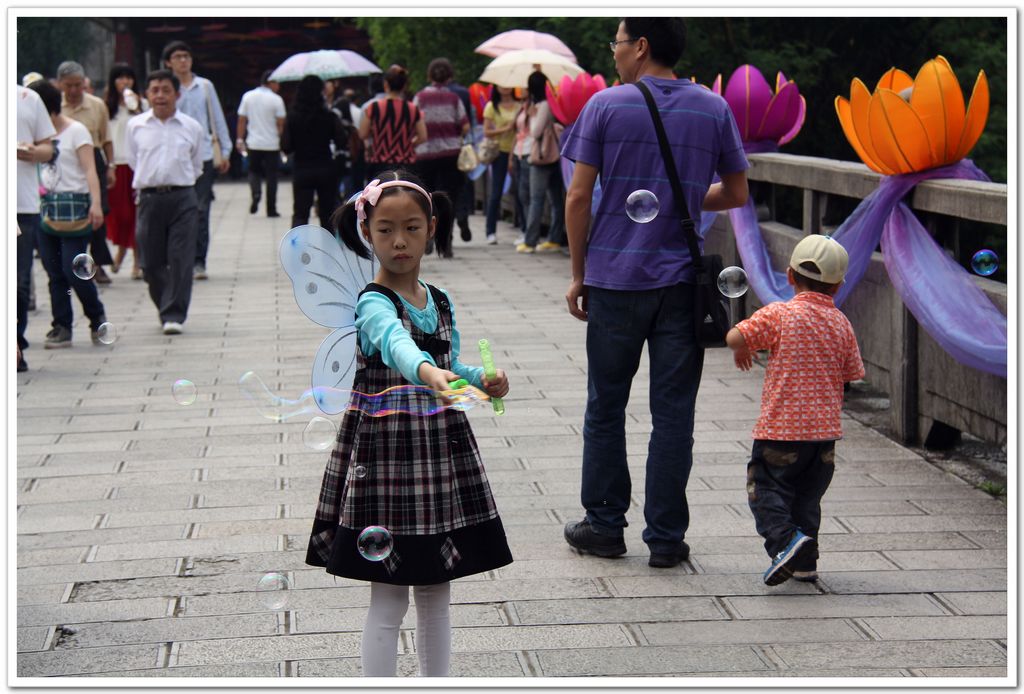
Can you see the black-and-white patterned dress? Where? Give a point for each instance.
(424, 480)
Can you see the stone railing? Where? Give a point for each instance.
(926, 386)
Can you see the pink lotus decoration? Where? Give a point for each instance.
(760, 114)
(572, 96)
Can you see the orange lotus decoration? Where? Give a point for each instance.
(910, 125)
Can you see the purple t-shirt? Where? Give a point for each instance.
(615, 133)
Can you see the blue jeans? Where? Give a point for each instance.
(29, 225)
(521, 181)
(619, 324)
(546, 181)
(499, 170)
(57, 252)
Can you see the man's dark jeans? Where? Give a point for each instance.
(29, 225)
(785, 483)
(619, 324)
(499, 170)
(57, 254)
(204, 194)
(263, 163)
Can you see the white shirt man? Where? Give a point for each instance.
(260, 124)
(164, 148)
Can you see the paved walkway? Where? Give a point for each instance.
(144, 526)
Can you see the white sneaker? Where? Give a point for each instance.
(172, 328)
(520, 239)
(492, 240)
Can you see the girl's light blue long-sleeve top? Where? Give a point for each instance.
(381, 331)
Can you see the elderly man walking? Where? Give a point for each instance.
(163, 147)
(633, 283)
(198, 99)
(80, 105)
(261, 116)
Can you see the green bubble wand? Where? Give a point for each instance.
(490, 372)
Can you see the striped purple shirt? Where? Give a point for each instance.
(444, 115)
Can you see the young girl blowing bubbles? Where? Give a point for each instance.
(419, 476)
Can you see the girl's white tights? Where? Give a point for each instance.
(388, 605)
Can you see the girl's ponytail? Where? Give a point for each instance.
(444, 210)
(346, 229)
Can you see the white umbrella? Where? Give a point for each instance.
(513, 69)
(326, 65)
(517, 39)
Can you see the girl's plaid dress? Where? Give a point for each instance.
(424, 480)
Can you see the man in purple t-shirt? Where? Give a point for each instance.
(632, 282)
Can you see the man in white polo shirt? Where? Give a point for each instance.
(163, 148)
(260, 124)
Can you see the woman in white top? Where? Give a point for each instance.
(122, 103)
(73, 170)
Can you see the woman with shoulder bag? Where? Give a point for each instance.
(545, 172)
(70, 211)
(500, 136)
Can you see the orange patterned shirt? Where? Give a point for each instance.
(812, 352)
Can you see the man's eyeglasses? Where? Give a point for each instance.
(613, 44)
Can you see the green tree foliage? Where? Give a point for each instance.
(822, 54)
(44, 42)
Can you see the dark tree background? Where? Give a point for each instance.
(822, 54)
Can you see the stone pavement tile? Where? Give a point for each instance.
(675, 584)
(894, 541)
(976, 603)
(914, 479)
(975, 506)
(826, 606)
(167, 586)
(266, 649)
(248, 490)
(330, 621)
(47, 593)
(496, 664)
(519, 638)
(944, 491)
(105, 611)
(923, 628)
(617, 610)
(95, 634)
(140, 519)
(82, 468)
(33, 639)
(101, 536)
(923, 581)
(43, 511)
(704, 524)
(654, 660)
(962, 672)
(757, 563)
(767, 631)
(227, 670)
(99, 571)
(49, 557)
(61, 495)
(179, 548)
(525, 589)
(261, 562)
(570, 564)
(243, 603)
(277, 526)
(855, 508)
(903, 654)
(989, 539)
(221, 463)
(833, 674)
(911, 524)
(28, 525)
(58, 663)
(944, 559)
(738, 481)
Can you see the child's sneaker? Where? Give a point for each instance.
(782, 565)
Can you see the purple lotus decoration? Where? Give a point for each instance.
(761, 114)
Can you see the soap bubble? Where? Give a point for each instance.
(732, 282)
(985, 262)
(359, 471)
(106, 333)
(319, 434)
(184, 391)
(273, 589)
(375, 543)
(642, 206)
(83, 266)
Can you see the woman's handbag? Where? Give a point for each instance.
(488, 150)
(65, 213)
(467, 158)
(711, 307)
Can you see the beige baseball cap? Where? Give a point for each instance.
(826, 253)
(29, 78)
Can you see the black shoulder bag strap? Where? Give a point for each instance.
(686, 221)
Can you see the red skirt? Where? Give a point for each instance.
(121, 219)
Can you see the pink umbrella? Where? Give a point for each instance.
(523, 38)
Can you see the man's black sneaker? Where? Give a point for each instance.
(254, 206)
(666, 560)
(273, 213)
(465, 233)
(582, 537)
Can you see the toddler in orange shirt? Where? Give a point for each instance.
(812, 353)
